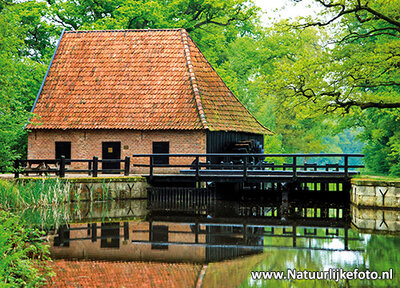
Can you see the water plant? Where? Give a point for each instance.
(33, 194)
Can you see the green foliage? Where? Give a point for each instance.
(264, 66)
(21, 73)
(340, 72)
(381, 135)
(358, 63)
(24, 255)
(33, 194)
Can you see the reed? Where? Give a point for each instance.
(33, 194)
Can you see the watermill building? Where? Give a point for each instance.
(116, 93)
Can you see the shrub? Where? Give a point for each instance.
(24, 255)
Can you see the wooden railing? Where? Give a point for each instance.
(234, 164)
(59, 166)
(243, 163)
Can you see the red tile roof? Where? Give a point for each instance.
(136, 79)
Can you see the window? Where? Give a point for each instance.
(158, 148)
(63, 148)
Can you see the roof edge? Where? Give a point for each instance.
(192, 77)
(267, 131)
(45, 76)
(40, 128)
(124, 30)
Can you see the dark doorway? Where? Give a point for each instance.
(111, 150)
(63, 148)
(158, 148)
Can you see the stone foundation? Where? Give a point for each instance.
(118, 188)
(374, 193)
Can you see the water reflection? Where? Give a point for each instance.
(375, 221)
(217, 231)
(285, 234)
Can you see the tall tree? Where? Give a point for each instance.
(357, 74)
(20, 76)
(362, 56)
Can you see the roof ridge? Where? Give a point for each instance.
(124, 30)
(192, 77)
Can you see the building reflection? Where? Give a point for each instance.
(208, 231)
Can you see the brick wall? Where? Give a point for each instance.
(88, 143)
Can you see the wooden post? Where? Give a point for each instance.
(95, 166)
(294, 166)
(294, 236)
(62, 166)
(245, 167)
(127, 164)
(197, 167)
(196, 236)
(151, 166)
(346, 166)
(150, 229)
(16, 168)
(89, 167)
(245, 233)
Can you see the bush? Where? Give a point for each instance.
(24, 255)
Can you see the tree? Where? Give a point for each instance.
(281, 54)
(349, 70)
(360, 64)
(140, 14)
(26, 45)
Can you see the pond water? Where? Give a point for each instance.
(234, 237)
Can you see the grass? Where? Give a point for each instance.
(377, 177)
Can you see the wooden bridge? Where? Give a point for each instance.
(250, 168)
(216, 168)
